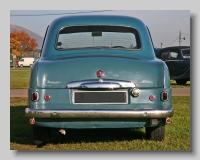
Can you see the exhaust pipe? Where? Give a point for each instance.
(61, 132)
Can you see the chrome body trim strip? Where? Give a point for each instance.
(101, 83)
(42, 113)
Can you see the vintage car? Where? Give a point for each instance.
(98, 71)
(177, 59)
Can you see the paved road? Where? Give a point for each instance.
(180, 91)
(175, 92)
(18, 93)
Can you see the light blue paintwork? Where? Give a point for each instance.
(54, 69)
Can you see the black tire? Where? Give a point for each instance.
(155, 133)
(41, 135)
(181, 81)
(21, 65)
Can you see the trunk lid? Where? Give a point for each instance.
(57, 73)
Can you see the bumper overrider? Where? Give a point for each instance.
(40, 113)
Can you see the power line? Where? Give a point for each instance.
(50, 14)
(185, 34)
(172, 42)
(187, 38)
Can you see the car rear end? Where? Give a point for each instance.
(110, 83)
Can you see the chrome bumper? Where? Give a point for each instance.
(41, 113)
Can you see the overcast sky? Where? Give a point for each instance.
(164, 25)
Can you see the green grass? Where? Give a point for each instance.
(19, 79)
(174, 85)
(177, 133)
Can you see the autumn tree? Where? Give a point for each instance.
(21, 43)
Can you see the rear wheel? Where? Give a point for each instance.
(41, 135)
(181, 81)
(155, 133)
(30, 65)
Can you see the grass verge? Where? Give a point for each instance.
(174, 85)
(19, 77)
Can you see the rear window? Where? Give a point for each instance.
(186, 53)
(102, 37)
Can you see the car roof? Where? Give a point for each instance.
(85, 20)
(98, 19)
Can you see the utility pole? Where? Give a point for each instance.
(180, 38)
(161, 45)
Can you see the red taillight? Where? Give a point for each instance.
(164, 96)
(32, 121)
(47, 97)
(168, 120)
(35, 96)
(152, 97)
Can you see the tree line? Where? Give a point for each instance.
(21, 43)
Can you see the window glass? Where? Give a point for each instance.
(111, 37)
(164, 55)
(186, 53)
(173, 55)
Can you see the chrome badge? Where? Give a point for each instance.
(100, 73)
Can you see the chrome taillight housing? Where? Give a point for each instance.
(35, 96)
(164, 96)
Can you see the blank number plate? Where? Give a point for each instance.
(103, 97)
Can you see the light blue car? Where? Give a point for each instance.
(98, 71)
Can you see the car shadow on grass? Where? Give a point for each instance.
(97, 135)
(21, 132)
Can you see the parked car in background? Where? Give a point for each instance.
(156, 50)
(26, 62)
(177, 59)
(17, 63)
(98, 71)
